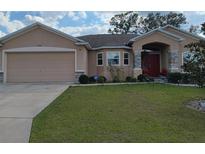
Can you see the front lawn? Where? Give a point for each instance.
(124, 113)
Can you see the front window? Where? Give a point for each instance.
(100, 59)
(113, 58)
(126, 58)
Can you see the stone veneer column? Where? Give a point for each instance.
(1, 77)
(173, 61)
(137, 63)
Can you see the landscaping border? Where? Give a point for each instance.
(130, 83)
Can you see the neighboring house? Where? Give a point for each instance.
(38, 53)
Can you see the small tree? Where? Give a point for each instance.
(195, 63)
(116, 73)
(194, 29)
(203, 28)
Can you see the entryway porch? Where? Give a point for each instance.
(154, 59)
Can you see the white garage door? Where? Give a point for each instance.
(40, 67)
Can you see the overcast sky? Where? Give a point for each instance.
(73, 23)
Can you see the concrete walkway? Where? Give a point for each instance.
(19, 104)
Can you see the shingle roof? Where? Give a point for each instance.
(102, 40)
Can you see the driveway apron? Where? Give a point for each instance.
(19, 104)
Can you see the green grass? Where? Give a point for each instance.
(124, 113)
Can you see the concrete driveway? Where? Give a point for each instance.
(19, 104)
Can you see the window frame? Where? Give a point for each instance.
(107, 53)
(98, 59)
(126, 58)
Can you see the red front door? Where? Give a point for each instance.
(151, 64)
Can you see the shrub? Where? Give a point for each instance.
(101, 79)
(92, 79)
(177, 77)
(83, 79)
(133, 80)
(195, 62)
(144, 78)
(186, 78)
(116, 79)
(141, 78)
(174, 77)
(105, 79)
(128, 79)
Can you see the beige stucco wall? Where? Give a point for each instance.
(156, 37)
(0, 59)
(103, 70)
(187, 38)
(41, 37)
(92, 63)
(82, 59)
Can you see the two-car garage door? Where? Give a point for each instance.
(40, 67)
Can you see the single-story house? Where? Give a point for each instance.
(39, 53)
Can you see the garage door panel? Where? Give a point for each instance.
(40, 67)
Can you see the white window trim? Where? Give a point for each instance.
(128, 58)
(119, 58)
(102, 58)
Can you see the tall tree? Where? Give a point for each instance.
(203, 28)
(132, 22)
(194, 29)
(123, 23)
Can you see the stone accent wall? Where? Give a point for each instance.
(1, 77)
(137, 60)
(173, 61)
(137, 64)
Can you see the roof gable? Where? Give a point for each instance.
(183, 32)
(170, 34)
(161, 31)
(39, 25)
